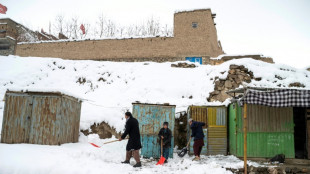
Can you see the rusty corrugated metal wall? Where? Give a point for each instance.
(40, 118)
(215, 129)
(151, 118)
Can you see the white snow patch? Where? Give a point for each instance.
(110, 88)
(81, 158)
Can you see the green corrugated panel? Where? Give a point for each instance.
(232, 129)
(269, 134)
(267, 144)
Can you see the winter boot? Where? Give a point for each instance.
(138, 165)
(166, 161)
(196, 159)
(126, 162)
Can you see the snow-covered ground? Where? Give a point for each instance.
(109, 88)
(82, 158)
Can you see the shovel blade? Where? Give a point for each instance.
(161, 160)
(183, 152)
(94, 145)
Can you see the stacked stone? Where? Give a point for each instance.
(183, 65)
(236, 75)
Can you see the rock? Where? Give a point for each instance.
(228, 84)
(217, 83)
(278, 77)
(296, 170)
(183, 65)
(190, 97)
(273, 171)
(215, 92)
(258, 78)
(220, 88)
(235, 85)
(232, 71)
(238, 81)
(304, 170)
(288, 170)
(232, 76)
(103, 129)
(296, 84)
(241, 77)
(233, 67)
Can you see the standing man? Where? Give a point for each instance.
(165, 136)
(198, 135)
(134, 142)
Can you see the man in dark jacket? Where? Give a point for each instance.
(165, 136)
(198, 135)
(134, 142)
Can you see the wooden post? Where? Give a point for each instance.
(245, 138)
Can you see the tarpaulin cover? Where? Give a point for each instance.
(278, 98)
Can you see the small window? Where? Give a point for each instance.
(194, 24)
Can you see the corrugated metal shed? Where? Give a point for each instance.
(151, 118)
(215, 130)
(270, 131)
(48, 118)
(308, 131)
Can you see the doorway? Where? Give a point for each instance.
(300, 133)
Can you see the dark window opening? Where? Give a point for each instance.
(194, 24)
(300, 134)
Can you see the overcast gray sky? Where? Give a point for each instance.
(276, 28)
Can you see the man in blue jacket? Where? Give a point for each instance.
(198, 135)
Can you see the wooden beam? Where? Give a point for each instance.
(245, 137)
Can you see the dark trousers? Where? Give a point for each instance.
(198, 144)
(165, 152)
(133, 153)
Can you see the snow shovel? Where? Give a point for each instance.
(185, 149)
(162, 159)
(95, 145)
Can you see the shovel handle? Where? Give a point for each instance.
(113, 141)
(190, 138)
(161, 147)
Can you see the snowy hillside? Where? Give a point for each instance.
(109, 88)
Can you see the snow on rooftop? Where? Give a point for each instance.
(45, 90)
(110, 88)
(191, 10)
(95, 39)
(235, 55)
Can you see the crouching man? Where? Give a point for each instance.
(198, 135)
(134, 142)
(165, 136)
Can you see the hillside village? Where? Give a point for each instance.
(58, 95)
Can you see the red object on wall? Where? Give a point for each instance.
(3, 9)
(82, 28)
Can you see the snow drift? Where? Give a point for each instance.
(109, 88)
